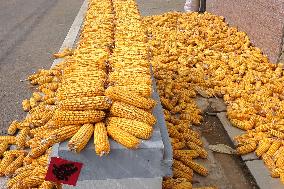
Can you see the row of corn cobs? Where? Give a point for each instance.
(71, 101)
(200, 54)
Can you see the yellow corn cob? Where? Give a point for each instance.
(6, 161)
(9, 139)
(15, 153)
(263, 146)
(29, 167)
(33, 76)
(183, 185)
(186, 153)
(42, 80)
(123, 110)
(85, 103)
(81, 138)
(18, 178)
(21, 138)
(117, 94)
(280, 161)
(85, 92)
(193, 133)
(142, 90)
(41, 149)
(195, 166)
(268, 161)
(135, 128)
(14, 165)
(33, 181)
(64, 133)
(101, 141)
(189, 137)
(273, 148)
(201, 151)
(276, 133)
(282, 177)
(33, 102)
(275, 173)
(78, 117)
(50, 101)
(3, 147)
(123, 81)
(122, 137)
(247, 148)
(13, 127)
(186, 171)
(180, 174)
(26, 105)
(50, 86)
(46, 185)
(37, 96)
(166, 104)
(178, 145)
(173, 132)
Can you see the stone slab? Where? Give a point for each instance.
(217, 104)
(133, 183)
(233, 132)
(262, 176)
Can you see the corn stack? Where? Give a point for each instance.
(130, 81)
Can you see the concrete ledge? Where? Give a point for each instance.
(255, 166)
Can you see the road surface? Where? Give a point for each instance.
(30, 31)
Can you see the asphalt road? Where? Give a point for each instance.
(30, 32)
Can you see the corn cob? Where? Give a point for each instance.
(21, 138)
(247, 148)
(81, 92)
(3, 147)
(85, 103)
(33, 181)
(195, 166)
(282, 177)
(50, 101)
(177, 173)
(78, 117)
(186, 153)
(178, 145)
(6, 161)
(81, 138)
(15, 153)
(268, 161)
(123, 81)
(141, 90)
(201, 151)
(101, 141)
(263, 146)
(166, 104)
(280, 161)
(117, 94)
(123, 110)
(17, 163)
(37, 96)
(33, 102)
(18, 178)
(135, 128)
(50, 86)
(186, 171)
(41, 149)
(29, 167)
(193, 133)
(183, 185)
(122, 137)
(13, 127)
(275, 173)
(63, 133)
(276, 133)
(273, 148)
(173, 132)
(26, 105)
(189, 137)
(46, 185)
(9, 139)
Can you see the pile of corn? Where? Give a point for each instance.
(130, 82)
(199, 53)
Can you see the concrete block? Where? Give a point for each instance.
(233, 132)
(262, 176)
(202, 103)
(133, 183)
